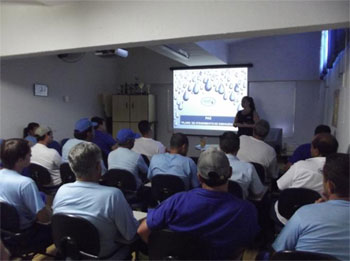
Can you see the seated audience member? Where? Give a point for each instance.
(307, 173)
(22, 193)
(105, 207)
(146, 145)
(46, 157)
(225, 222)
(124, 158)
(83, 131)
(175, 163)
(323, 227)
(303, 152)
(101, 138)
(254, 149)
(28, 133)
(242, 172)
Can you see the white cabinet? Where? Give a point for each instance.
(128, 110)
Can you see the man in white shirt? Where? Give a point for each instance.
(146, 145)
(124, 158)
(308, 173)
(242, 172)
(254, 149)
(46, 157)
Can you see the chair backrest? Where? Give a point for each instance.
(120, 178)
(169, 245)
(9, 217)
(39, 174)
(235, 189)
(300, 255)
(260, 170)
(75, 236)
(293, 198)
(166, 185)
(67, 175)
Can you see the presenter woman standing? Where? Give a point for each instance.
(245, 119)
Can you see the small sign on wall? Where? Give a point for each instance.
(41, 90)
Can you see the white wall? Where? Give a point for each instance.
(32, 29)
(81, 81)
(339, 79)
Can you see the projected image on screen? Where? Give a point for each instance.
(208, 99)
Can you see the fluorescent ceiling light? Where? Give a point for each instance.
(182, 54)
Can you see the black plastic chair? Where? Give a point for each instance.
(235, 189)
(169, 245)
(17, 241)
(300, 255)
(293, 198)
(126, 182)
(260, 170)
(75, 238)
(166, 185)
(41, 176)
(67, 175)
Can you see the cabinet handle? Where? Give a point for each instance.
(132, 105)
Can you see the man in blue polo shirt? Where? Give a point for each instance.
(210, 213)
(22, 193)
(124, 158)
(103, 139)
(323, 227)
(175, 163)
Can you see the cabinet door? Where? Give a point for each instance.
(138, 108)
(121, 108)
(117, 126)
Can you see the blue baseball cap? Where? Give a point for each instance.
(83, 124)
(126, 134)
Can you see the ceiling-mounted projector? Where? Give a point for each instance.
(112, 53)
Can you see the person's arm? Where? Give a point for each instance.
(123, 216)
(235, 123)
(142, 166)
(33, 201)
(288, 238)
(194, 177)
(57, 159)
(143, 231)
(256, 188)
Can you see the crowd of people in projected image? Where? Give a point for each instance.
(95, 196)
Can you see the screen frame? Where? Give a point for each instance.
(209, 133)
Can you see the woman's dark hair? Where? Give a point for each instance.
(251, 102)
(336, 170)
(31, 126)
(214, 180)
(12, 150)
(82, 135)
